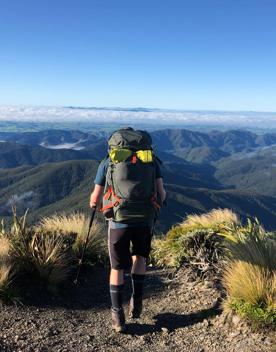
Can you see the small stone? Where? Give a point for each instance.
(165, 330)
(267, 340)
(235, 334)
(236, 320)
(208, 284)
(89, 337)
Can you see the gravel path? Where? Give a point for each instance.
(181, 314)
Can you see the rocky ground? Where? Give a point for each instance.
(181, 313)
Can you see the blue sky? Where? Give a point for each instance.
(196, 54)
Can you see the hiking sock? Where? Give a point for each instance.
(116, 295)
(137, 285)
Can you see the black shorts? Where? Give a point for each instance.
(119, 241)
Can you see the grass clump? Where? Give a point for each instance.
(250, 274)
(77, 223)
(214, 218)
(195, 241)
(46, 255)
(7, 293)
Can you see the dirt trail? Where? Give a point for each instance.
(181, 314)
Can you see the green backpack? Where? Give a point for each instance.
(130, 191)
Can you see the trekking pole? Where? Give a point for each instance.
(85, 244)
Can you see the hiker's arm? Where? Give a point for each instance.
(96, 195)
(160, 188)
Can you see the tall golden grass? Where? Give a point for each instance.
(49, 258)
(67, 223)
(5, 247)
(5, 267)
(250, 274)
(5, 271)
(78, 223)
(251, 283)
(213, 218)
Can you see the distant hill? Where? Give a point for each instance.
(51, 137)
(14, 154)
(207, 147)
(191, 145)
(254, 171)
(45, 184)
(184, 200)
(66, 186)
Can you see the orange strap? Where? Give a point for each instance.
(110, 194)
(134, 158)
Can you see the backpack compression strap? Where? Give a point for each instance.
(110, 195)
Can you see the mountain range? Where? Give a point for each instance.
(53, 170)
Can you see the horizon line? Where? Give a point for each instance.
(126, 108)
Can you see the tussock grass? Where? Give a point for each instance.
(46, 255)
(5, 271)
(256, 287)
(78, 223)
(5, 247)
(195, 241)
(213, 218)
(7, 293)
(244, 255)
(50, 258)
(250, 274)
(67, 223)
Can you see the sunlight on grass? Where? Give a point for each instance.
(213, 218)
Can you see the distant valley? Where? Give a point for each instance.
(53, 170)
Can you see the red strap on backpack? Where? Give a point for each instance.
(134, 159)
(110, 195)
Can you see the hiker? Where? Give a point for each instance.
(130, 184)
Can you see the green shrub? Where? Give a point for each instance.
(254, 313)
(195, 241)
(202, 248)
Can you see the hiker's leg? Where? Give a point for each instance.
(116, 277)
(116, 288)
(139, 265)
(120, 259)
(138, 275)
(141, 241)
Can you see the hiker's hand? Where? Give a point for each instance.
(96, 196)
(92, 204)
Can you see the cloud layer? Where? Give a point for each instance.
(139, 115)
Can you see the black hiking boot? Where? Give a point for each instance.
(118, 319)
(135, 307)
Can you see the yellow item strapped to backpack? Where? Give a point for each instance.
(146, 156)
(119, 155)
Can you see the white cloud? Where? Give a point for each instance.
(104, 115)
